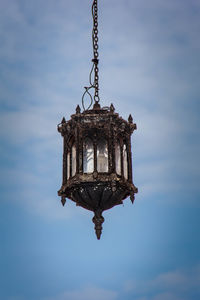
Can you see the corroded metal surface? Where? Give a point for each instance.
(97, 191)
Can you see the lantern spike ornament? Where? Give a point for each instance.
(97, 158)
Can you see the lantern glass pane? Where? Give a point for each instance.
(102, 156)
(68, 165)
(125, 161)
(118, 158)
(73, 160)
(88, 156)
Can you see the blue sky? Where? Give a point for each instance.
(149, 67)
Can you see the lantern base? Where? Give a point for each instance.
(97, 197)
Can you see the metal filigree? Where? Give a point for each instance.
(97, 191)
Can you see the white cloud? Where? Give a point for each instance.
(172, 285)
(167, 296)
(88, 293)
(138, 73)
(29, 190)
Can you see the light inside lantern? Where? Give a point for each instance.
(88, 156)
(102, 156)
(68, 164)
(125, 162)
(73, 159)
(118, 158)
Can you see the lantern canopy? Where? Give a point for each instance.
(97, 158)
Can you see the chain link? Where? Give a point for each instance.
(95, 49)
(95, 70)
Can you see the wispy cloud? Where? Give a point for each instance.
(178, 284)
(152, 58)
(88, 293)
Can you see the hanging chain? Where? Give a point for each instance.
(95, 60)
(95, 49)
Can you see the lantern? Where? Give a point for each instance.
(97, 158)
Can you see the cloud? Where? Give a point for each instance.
(152, 58)
(164, 296)
(167, 296)
(172, 285)
(15, 298)
(38, 196)
(88, 293)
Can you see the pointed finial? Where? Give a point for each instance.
(130, 119)
(112, 108)
(63, 120)
(98, 220)
(78, 110)
(132, 197)
(63, 200)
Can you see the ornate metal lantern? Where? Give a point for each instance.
(97, 159)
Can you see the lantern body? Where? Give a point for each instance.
(97, 162)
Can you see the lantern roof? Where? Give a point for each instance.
(97, 116)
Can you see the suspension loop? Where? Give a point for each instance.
(95, 60)
(83, 98)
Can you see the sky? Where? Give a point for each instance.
(149, 67)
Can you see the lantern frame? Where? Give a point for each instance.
(96, 191)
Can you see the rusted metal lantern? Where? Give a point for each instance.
(97, 158)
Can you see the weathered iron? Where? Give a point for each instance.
(97, 189)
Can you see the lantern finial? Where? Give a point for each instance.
(130, 119)
(78, 109)
(63, 120)
(96, 106)
(112, 108)
(98, 220)
(63, 201)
